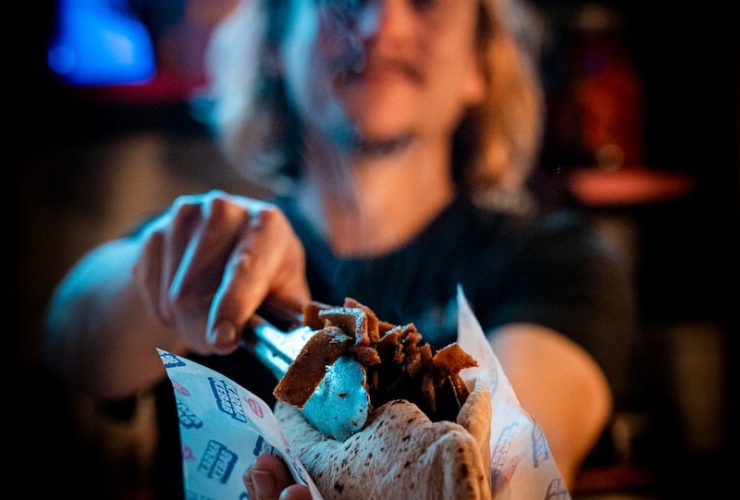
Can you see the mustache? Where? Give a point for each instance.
(400, 64)
(355, 63)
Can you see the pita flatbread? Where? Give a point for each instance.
(401, 453)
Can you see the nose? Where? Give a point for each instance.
(384, 21)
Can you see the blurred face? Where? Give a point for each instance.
(379, 71)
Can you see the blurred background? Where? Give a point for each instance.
(642, 133)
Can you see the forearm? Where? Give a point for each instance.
(99, 336)
(560, 385)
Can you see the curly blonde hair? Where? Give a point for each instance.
(494, 146)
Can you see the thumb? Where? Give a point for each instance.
(296, 492)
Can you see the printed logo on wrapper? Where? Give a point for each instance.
(255, 407)
(540, 449)
(180, 388)
(262, 447)
(556, 490)
(170, 360)
(217, 462)
(501, 466)
(227, 399)
(187, 453)
(188, 419)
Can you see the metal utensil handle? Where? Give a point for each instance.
(261, 339)
(276, 347)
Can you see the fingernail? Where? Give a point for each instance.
(223, 333)
(264, 483)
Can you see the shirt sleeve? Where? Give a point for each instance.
(565, 276)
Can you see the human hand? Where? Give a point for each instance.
(210, 260)
(268, 477)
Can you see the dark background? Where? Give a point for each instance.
(86, 163)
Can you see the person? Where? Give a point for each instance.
(399, 136)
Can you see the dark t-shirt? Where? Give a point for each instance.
(553, 271)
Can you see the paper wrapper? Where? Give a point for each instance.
(522, 466)
(224, 427)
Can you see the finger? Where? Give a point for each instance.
(249, 484)
(201, 267)
(184, 217)
(275, 466)
(203, 261)
(296, 492)
(147, 274)
(268, 476)
(289, 288)
(254, 265)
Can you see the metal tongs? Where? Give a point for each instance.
(339, 407)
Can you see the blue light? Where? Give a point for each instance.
(97, 45)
